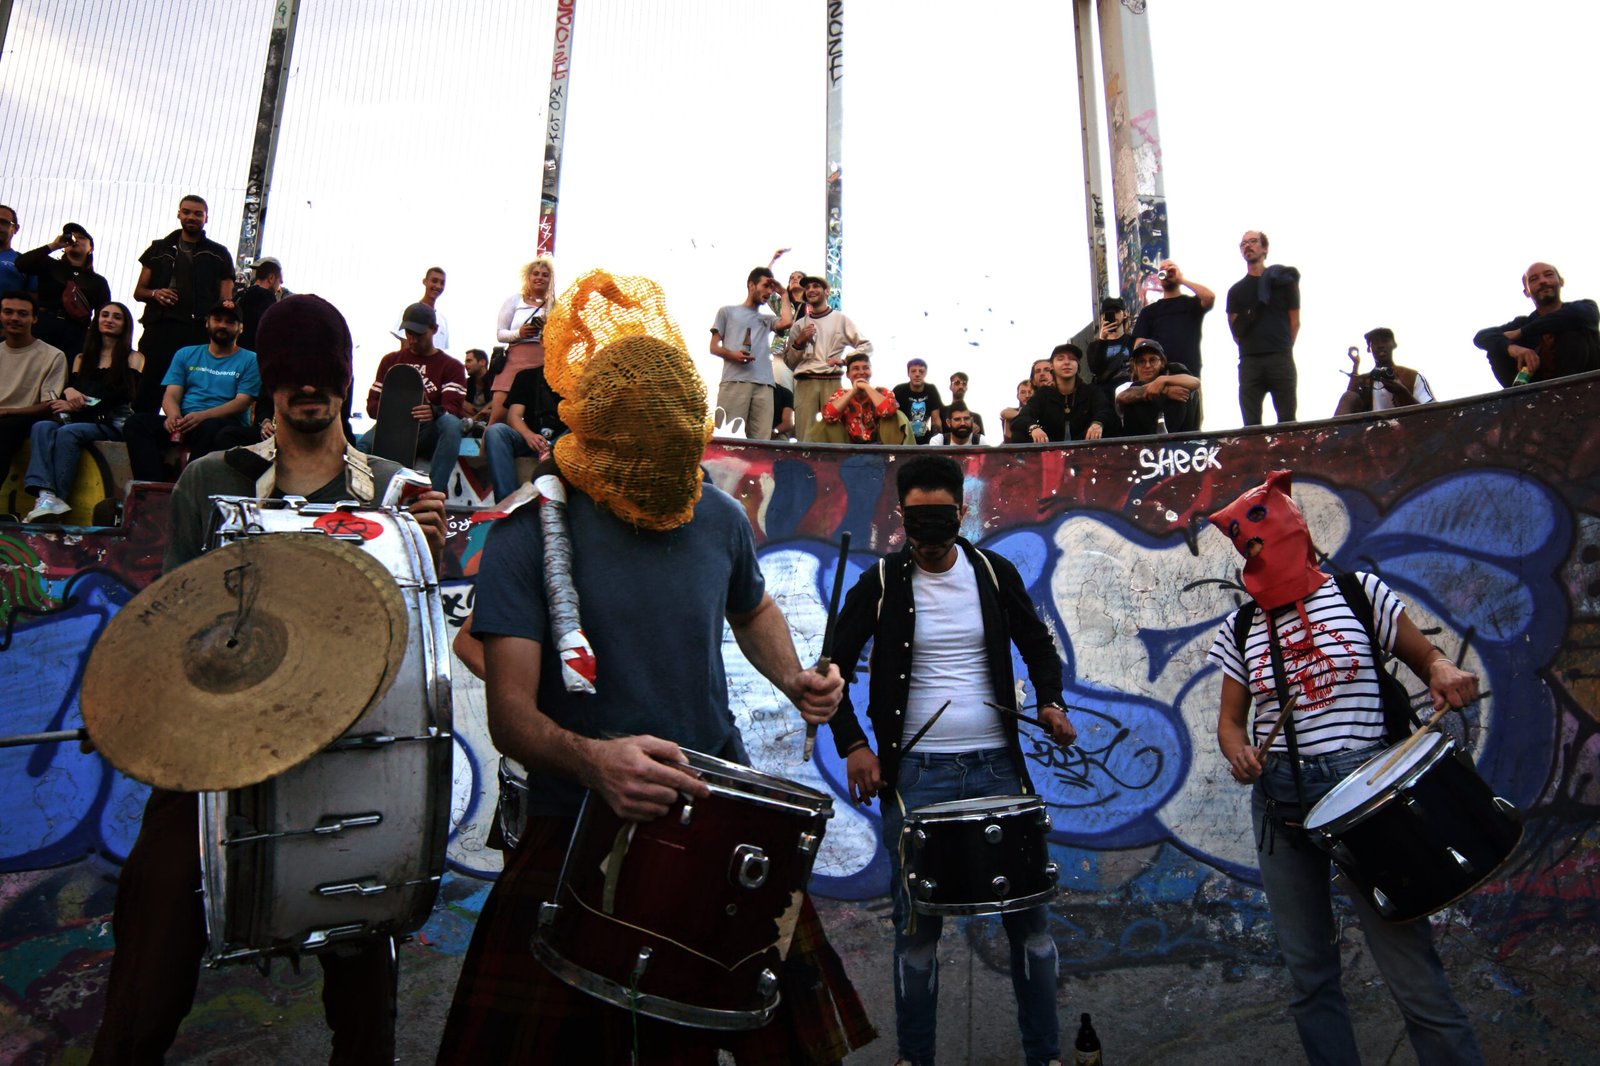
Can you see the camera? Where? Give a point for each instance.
(1383, 373)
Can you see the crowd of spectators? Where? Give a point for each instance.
(795, 366)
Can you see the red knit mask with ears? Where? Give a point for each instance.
(1269, 530)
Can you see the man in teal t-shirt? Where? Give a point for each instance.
(208, 390)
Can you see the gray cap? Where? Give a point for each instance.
(419, 318)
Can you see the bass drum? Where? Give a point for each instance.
(352, 842)
(1414, 837)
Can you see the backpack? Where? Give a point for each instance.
(1399, 717)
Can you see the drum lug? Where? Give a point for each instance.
(640, 964)
(926, 888)
(766, 984)
(1505, 806)
(1461, 860)
(1053, 872)
(919, 838)
(548, 913)
(1045, 821)
(687, 813)
(1001, 886)
(993, 833)
(321, 938)
(750, 866)
(1342, 854)
(1383, 903)
(808, 843)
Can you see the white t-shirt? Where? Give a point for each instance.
(1383, 399)
(948, 662)
(1340, 705)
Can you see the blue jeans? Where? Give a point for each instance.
(54, 463)
(502, 446)
(1296, 874)
(439, 440)
(934, 778)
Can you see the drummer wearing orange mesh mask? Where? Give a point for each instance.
(1324, 662)
(659, 561)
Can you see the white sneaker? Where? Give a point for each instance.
(49, 506)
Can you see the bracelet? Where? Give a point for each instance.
(852, 749)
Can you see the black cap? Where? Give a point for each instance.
(223, 310)
(419, 318)
(1149, 344)
(810, 279)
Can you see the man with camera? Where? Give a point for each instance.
(1110, 355)
(1264, 315)
(1387, 385)
(1175, 320)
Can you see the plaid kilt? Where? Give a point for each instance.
(509, 1008)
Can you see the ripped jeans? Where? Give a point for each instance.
(935, 778)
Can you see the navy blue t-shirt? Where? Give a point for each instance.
(653, 607)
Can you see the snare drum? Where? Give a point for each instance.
(1424, 833)
(978, 856)
(352, 842)
(686, 918)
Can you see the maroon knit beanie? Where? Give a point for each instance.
(303, 340)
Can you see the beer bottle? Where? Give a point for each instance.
(1087, 1047)
(1523, 377)
(746, 346)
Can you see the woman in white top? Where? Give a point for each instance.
(521, 329)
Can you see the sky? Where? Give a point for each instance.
(1410, 159)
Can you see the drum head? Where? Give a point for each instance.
(982, 807)
(243, 663)
(1354, 795)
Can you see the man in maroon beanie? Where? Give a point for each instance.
(303, 350)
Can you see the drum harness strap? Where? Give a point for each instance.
(1276, 817)
(358, 470)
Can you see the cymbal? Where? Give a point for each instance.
(244, 662)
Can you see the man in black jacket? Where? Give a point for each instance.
(1558, 339)
(1069, 409)
(942, 616)
(181, 277)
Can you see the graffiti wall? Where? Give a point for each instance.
(1485, 517)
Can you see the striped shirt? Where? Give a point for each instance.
(1330, 669)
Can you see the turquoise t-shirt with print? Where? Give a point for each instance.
(209, 381)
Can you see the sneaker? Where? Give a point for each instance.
(50, 506)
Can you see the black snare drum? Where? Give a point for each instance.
(978, 856)
(1415, 837)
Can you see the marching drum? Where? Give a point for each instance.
(1422, 834)
(978, 856)
(351, 842)
(686, 918)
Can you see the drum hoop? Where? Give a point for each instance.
(1428, 754)
(670, 1010)
(1021, 903)
(963, 811)
(746, 780)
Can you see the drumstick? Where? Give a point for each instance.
(1017, 715)
(1410, 741)
(1283, 716)
(827, 638)
(53, 737)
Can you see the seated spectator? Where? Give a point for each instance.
(444, 395)
(958, 393)
(11, 279)
(919, 401)
(97, 401)
(205, 404)
(32, 373)
(479, 396)
(1009, 414)
(783, 411)
(1558, 339)
(1387, 384)
(1163, 397)
(1067, 409)
(70, 292)
(531, 426)
(960, 429)
(862, 413)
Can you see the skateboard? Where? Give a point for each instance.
(395, 437)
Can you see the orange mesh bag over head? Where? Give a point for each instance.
(631, 398)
